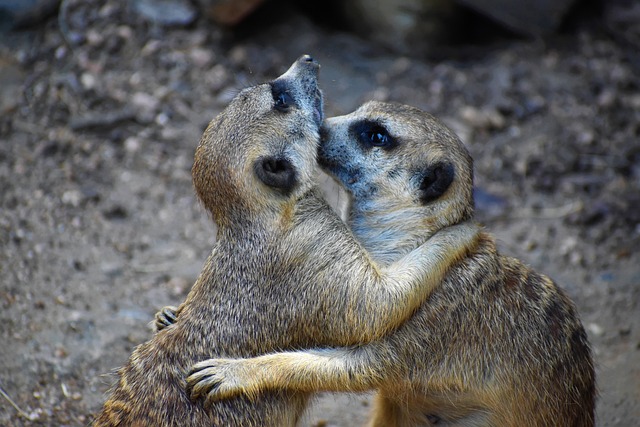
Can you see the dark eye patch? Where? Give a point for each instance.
(373, 134)
(282, 99)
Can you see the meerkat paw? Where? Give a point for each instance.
(165, 317)
(219, 379)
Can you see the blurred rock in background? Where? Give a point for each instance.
(413, 26)
(529, 18)
(622, 20)
(228, 12)
(177, 13)
(22, 13)
(403, 25)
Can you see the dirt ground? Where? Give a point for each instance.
(100, 113)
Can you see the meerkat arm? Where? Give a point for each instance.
(387, 296)
(336, 370)
(391, 293)
(376, 308)
(384, 298)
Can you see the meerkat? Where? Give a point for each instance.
(284, 272)
(497, 344)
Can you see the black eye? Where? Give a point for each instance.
(370, 133)
(376, 137)
(282, 101)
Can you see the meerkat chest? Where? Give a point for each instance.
(387, 242)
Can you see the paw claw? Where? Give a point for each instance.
(203, 384)
(199, 367)
(165, 317)
(214, 379)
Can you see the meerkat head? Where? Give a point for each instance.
(407, 173)
(259, 153)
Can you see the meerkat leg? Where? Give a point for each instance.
(385, 413)
(394, 412)
(167, 316)
(395, 408)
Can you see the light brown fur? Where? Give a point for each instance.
(284, 273)
(496, 345)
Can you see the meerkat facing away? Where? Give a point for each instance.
(496, 345)
(284, 272)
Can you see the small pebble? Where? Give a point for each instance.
(167, 12)
(88, 81)
(483, 119)
(201, 57)
(595, 329)
(72, 198)
(132, 144)
(146, 104)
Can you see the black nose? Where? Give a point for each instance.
(309, 59)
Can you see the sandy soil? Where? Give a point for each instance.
(99, 226)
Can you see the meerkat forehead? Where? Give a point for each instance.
(413, 137)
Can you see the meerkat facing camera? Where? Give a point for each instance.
(284, 272)
(497, 344)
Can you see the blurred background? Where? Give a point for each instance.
(102, 104)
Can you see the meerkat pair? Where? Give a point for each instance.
(285, 273)
(496, 344)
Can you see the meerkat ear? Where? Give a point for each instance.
(436, 179)
(276, 172)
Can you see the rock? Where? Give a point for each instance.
(409, 26)
(622, 19)
(72, 198)
(145, 104)
(229, 12)
(11, 78)
(22, 13)
(116, 212)
(167, 12)
(595, 329)
(486, 118)
(88, 81)
(201, 57)
(534, 18)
